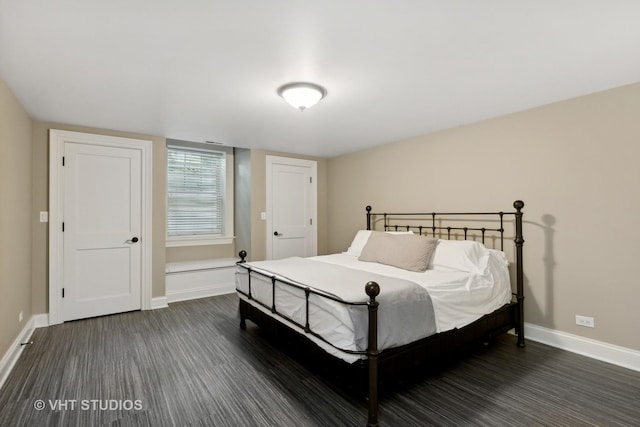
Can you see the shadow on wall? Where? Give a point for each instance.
(549, 262)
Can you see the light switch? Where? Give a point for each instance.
(44, 216)
(263, 215)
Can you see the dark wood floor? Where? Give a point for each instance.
(190, 364)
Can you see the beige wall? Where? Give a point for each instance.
(258, 250)
(15, 217)
(40, 202)
(242, 199)
(575, 164)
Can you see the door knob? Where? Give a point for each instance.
(275, 233)
(133, 240)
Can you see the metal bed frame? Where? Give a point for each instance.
(407, 359)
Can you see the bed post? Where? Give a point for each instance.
(243, 318)
(368, 208)
(373, 290)
(519, 240)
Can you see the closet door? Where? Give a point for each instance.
(291, 207)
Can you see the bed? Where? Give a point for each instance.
(411, 289)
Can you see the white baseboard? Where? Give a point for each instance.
(40, 320)
(616, 355)
(15, 350)
(159, 302)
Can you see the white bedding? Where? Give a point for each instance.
(458, 298)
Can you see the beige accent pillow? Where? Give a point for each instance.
(361, 239)
(407, 251)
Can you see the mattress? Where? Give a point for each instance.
(428, 302)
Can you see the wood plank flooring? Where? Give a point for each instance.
(191, 365)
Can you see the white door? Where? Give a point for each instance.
(102, 230)
(100, 191)
(291, 207)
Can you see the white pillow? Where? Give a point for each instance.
(460, 255)
(361, 239)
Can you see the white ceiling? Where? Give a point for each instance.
(208, 70)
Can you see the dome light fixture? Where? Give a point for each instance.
(302, 95)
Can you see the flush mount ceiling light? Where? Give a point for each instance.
(302, 95)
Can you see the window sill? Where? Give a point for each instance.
(198, 241)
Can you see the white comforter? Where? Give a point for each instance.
(457, 298)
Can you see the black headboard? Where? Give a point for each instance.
(430, 223)
(450, 225)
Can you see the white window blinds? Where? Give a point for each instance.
(195, 192)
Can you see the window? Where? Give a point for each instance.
(199, 197)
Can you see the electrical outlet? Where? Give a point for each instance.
(585, 321)
(20, 317)
(44, 216)
(263, 215)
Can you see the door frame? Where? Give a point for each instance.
(57, 139)
(313, 165)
